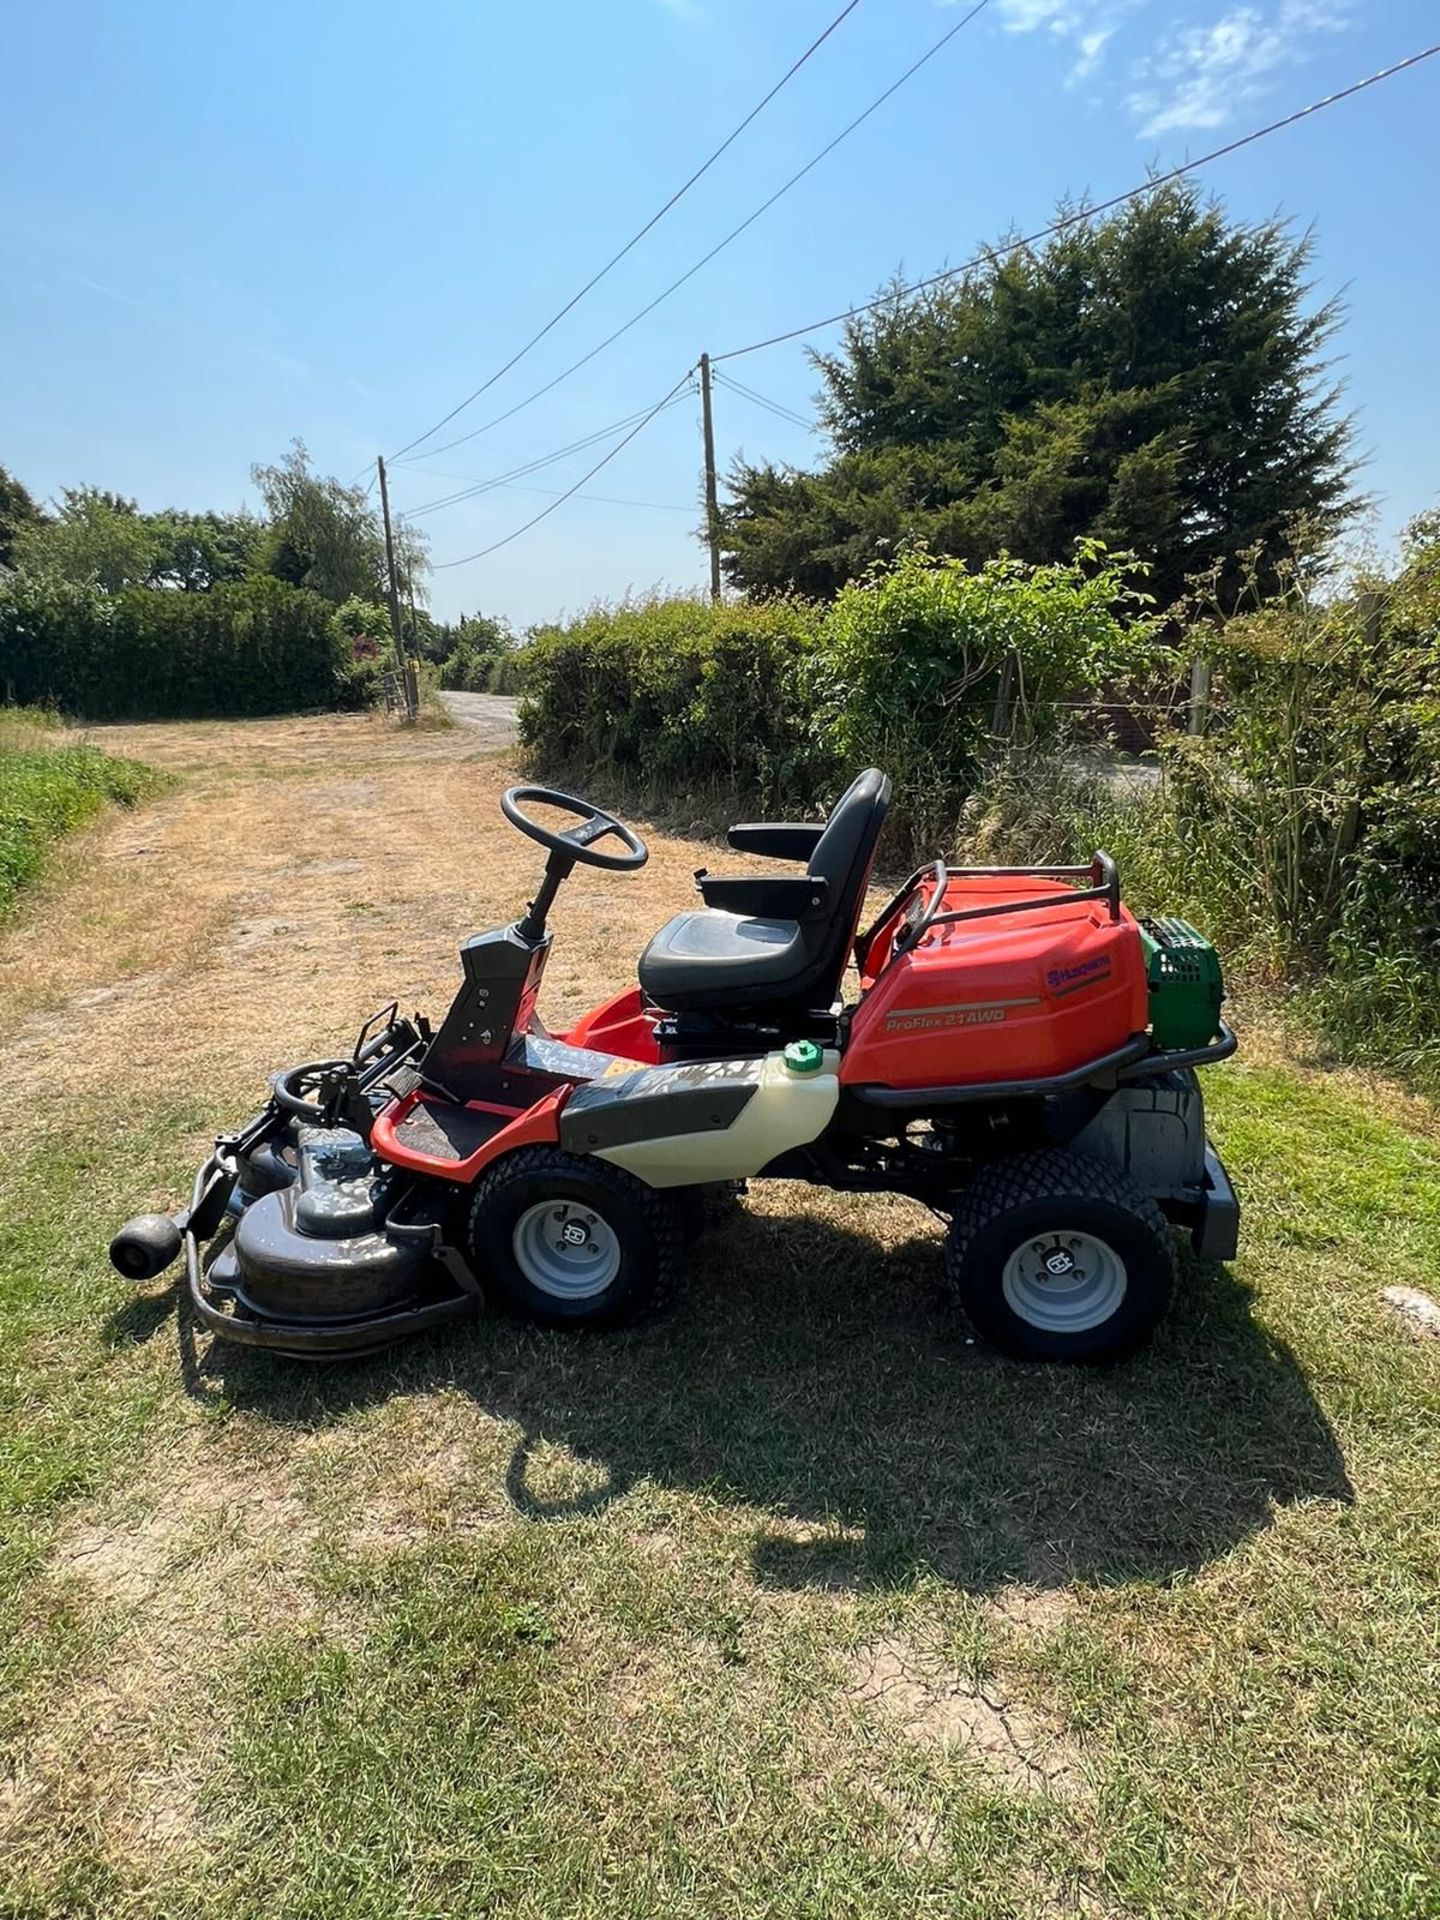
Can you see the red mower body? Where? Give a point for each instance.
(1019, 997)
(623, 1025)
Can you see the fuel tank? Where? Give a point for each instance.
(1022, 996)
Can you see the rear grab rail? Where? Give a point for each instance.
(1101, 872)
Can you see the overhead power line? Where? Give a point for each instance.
(570, 492)
(781, 411)
(606, 499)
(522, 472)
(719, 247)
(1078, 218)
(516, 486)
(639, 235)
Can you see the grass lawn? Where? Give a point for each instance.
(794, 1602)
(50, 784)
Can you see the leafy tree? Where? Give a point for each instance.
(475, 647)
(101, 539)
(96, 539)
(326, 537)
(479, 634)
(1155, 379)
(197, 551)
(18, 512)
(425, 639)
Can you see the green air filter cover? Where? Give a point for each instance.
(1186, 984)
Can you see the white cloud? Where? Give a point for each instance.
(1085, 26)
(1092, 47)
(1024, 16)
(1200, 72)
(1199, 76)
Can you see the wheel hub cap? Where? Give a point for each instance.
(566, 1250)
(1064, 1282)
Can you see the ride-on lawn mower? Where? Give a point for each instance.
(1019, 1056)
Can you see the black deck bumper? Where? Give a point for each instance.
(1210, 1218)
(1216, 1231)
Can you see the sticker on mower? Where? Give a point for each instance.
(980, 1013)
(1087, 973)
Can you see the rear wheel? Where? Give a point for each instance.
(570, 1241)
(1055, 1256)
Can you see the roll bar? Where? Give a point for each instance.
(1101, 872)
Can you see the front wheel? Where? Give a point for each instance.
(1056, 1256)
(571, 1241)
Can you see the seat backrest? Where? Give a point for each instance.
(843, 856)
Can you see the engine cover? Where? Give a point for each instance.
(1023, 996)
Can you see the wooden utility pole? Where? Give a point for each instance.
(402, 665)
(712, 502)
(1199, 697)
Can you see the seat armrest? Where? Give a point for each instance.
(777, 840)
(765, 899)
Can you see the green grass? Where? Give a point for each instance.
(51, 784)
(510, 1623)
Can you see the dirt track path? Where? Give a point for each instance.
(490, 716)
(299, 873)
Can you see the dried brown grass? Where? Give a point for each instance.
(300, 873)
(916, 1692)
(202, 1550)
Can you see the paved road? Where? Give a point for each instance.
(490, 715)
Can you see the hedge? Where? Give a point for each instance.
(685, 696)
(253, 647)
(779, 703)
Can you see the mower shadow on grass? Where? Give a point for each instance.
(822, 1381)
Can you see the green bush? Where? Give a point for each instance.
(507, 673)
(363, 635)
(1301, 828)
(779, 703)
(245, 648)
(922, 664)
(1313, 794)
(48, 787)
(467, 670)
(681, 697)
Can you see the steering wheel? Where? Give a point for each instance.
(578, 842)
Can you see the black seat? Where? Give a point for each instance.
(777, 944)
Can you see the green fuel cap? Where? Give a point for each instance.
(804, 1056)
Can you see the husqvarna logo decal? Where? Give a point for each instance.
(971, 1013)
(1062, 980)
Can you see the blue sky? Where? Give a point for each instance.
(224, 227)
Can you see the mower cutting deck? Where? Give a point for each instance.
(1019, 1054)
